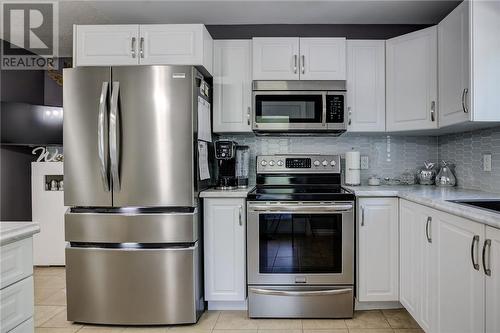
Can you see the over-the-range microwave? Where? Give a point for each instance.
(299, 107)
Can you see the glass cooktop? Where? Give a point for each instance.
(297, 193)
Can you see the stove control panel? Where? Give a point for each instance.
(298, 164)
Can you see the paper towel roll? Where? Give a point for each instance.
(352, 168)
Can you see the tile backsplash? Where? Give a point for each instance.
(466, 151)
(389, 156)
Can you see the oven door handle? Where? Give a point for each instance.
(302, 208)
(300, 293)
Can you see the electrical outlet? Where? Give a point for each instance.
(364, 163)
(487, 162)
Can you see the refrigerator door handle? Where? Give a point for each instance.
(102, 140)
(114, 136)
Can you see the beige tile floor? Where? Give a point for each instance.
(50, 317)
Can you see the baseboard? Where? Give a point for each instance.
(376, 305)
(227, 305)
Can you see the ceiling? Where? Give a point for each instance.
(230, 12)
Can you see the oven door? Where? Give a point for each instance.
(294, 243)
(289, 110)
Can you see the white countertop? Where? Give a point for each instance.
(14, 231)
(237, 193)
(436, 197)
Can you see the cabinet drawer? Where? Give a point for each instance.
(16, 304)
(16, 261)
(26, 327)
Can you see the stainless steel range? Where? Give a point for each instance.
(300, 239)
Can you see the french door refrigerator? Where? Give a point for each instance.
(131, 180)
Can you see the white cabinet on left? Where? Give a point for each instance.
(146, 44)
(48, 210)
(225, 257)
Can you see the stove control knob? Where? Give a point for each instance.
(333, 163)
(316, 163)
(280, 163)
(263, 163)
(325, 163)
(271, 163)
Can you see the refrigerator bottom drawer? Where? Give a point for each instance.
(300, 302)
(134, 286)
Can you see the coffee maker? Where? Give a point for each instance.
(225, 154)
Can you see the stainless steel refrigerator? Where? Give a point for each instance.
(131, 180)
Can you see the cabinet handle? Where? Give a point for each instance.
(475, 240)
(433, 111)
(487, 268)
(303, 64)
(141, 47)
(295, 64)
(132, 48)
(362, 216)
(427, 225)
(464, 100)
(241, 210)
(248, 115)
(349, 112)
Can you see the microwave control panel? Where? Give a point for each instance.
(335, 108)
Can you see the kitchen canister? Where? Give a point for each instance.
(352, 168)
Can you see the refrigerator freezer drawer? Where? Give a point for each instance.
(133, 287)
(131, 228)
(300, 302)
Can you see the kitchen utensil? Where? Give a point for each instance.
(427, 174)
(446, 176)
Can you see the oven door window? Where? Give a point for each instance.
(300, 243)
(288, 108)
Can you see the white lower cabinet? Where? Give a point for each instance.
(378, 249)
(225, 257)
(447, 279)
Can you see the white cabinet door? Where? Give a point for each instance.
(275, 58)
(492, 262)
(366, 85)
(378, 250)
(105, 45)
(175, 44)
(460, 286)
(225, 243)
(232, 86)
(322, 58)
(409, 279)
(454, 64)
(412, 81)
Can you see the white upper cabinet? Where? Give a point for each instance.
(105, 45)
(469, 64)
(454, 67)
(180, 44)
(232, 86)
(412, 81)
(165, 44)
(299, 58)
(378, 249)
(491, 267)
(322, 58)
(366, 85)
(275, 58)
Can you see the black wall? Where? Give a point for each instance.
(350, 31)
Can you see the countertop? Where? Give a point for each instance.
(14, 231)
(436, 197)
(237, 193)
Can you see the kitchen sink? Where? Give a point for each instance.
(493, 205)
